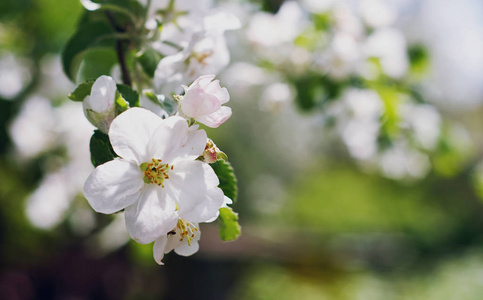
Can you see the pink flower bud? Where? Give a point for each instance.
(203, 101)
(212, 153)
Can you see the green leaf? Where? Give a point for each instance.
(419, 59)
(121, 104)
(477, 180)
(225, 173)
(228, 226)
(128, 94)
(221, 156)
(91, 35)
(97, 62)
(83, 90)
(169, 105)
(314, 91)
(130, 8)
(453, 152)
(391, 101)
(322, 22)
(149, 60)
(101, 149)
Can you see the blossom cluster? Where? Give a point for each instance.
(158, 180)
(191, 41)
(152, 160)
(351, 64)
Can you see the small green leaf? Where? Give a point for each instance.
(453, 152)
(314, 91)
(322, 22)
(169, 106)
(419, 59)
(477, 180)
(91, 35)
(121, 104)
(128, 94)
(228, 226)
(83, 90)
(222, 156)
(101, 149)
(149, 60)
(391, 101)
(225, 173)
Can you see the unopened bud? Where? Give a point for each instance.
(212, 153)
(99, 106)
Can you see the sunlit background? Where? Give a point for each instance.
(356, 138)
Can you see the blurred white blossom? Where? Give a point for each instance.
(68, 128)
(14, 74)
(32, 131)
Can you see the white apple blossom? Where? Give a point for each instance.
(206, 54)
(203, 102)
(157, 180)
(275, 97)
(183, 239)
(176, 5)
(32, 130)
(14, 74)
(169, 10)
(179, 33)
(269, 30)
(99, 106)
(377, 13)
(389, 45)
(200, 49)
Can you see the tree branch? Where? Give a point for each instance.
(126, 78)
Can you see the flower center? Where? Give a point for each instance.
(185, 229)
(200, 58)
(203, 56)
(155, 172)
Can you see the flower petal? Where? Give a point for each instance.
(192, 185)
(186, 249)
(220, 93)
(131, 132)
(197, 102)
(217, 118)
(102, 95)
(191, 175)
(113, 186)
(168, 76)
(173, 140)
(153, 216)
(173, 242)
(207, 210)
(226, 201)
(203, 81)
(158, 249)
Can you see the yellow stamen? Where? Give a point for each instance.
(155, 172)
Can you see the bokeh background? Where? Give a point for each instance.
(356, 138)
